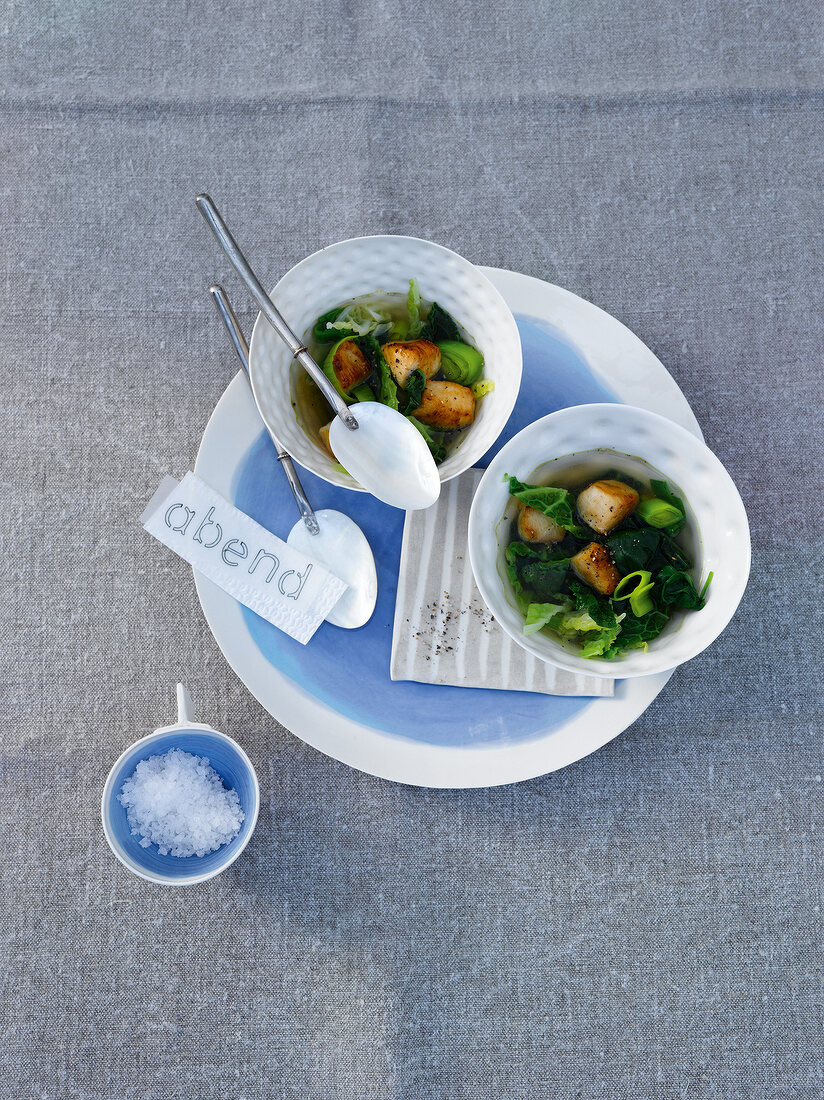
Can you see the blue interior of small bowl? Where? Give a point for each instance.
(232, 769)
(349, 670)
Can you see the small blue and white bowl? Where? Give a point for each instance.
(229, 761)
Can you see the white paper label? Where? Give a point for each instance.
(281, 584)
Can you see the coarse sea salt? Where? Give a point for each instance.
(178, 802)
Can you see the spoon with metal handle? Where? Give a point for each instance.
(255, 287)
(227, 315)
(381, 449)
(328, 536)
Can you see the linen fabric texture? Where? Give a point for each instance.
(646, 922)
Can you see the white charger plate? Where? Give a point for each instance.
(575, 353)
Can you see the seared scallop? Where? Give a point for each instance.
(446, 405)
(605, 504)
(412, 355)
(534, 526)
(323, 435)
(350, 365)
(595, 567)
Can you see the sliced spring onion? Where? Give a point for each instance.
(460, 362)
(623, 591)
(641, 602)
(638, 593)
(658, 513)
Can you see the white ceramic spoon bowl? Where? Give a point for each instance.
(341, 546)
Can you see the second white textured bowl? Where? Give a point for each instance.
(386, 263)
(711, 496)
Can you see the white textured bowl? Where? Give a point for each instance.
(717, 513)
(360, 266)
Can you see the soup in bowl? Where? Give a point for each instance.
(606, 539)
(397, 320)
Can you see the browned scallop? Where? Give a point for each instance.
(595, 567)
(323, 436)
(350, 365)
(534, 526)
(605, 504)
(446, 405)
(403, 358)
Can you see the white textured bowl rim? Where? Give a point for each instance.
(481, 539)
(105, 801)
(468, 452)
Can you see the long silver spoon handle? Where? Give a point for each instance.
(227, 315)
(239, 262)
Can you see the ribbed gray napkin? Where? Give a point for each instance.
(443, 632)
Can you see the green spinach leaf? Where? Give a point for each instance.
(535, 551)
(323, 335)
(541, 569)
(633, 548)
(382, 381)
(676, 589)
(662, 490)
(598, 607)
(415, 384)
(635, 632)
(439, 325)
(669, 553)
(544, 578)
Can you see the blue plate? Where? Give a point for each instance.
(349, 670)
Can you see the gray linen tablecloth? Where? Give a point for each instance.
(645, 923)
